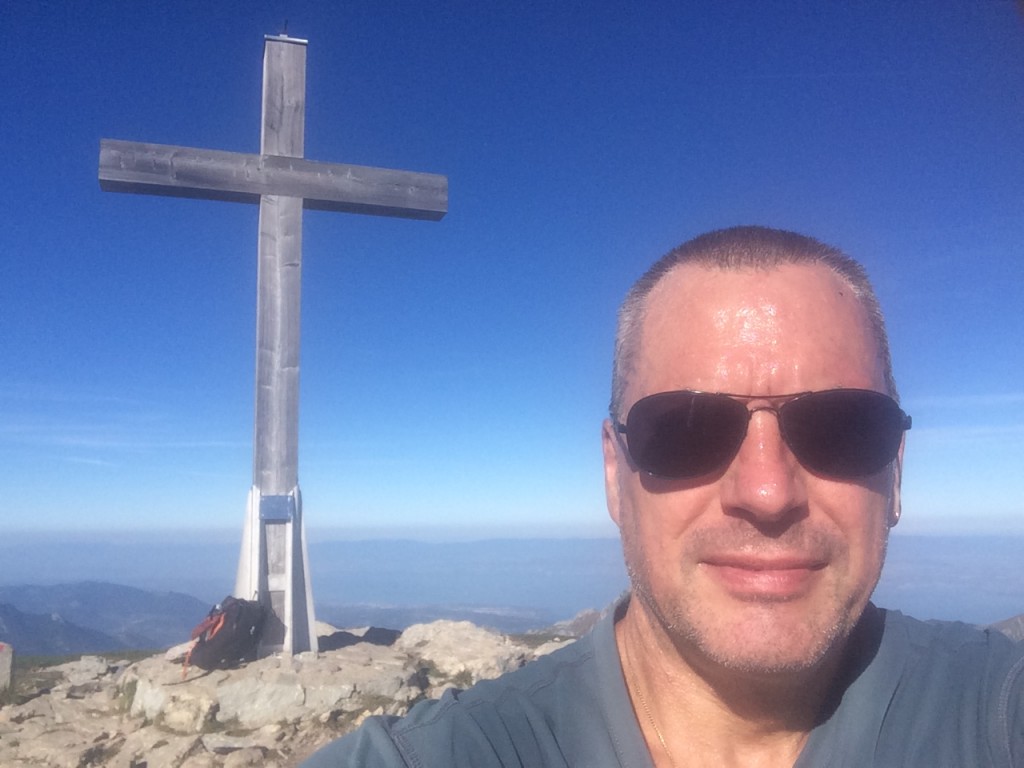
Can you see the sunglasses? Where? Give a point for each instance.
(839, 433)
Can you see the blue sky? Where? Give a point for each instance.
(454, 374)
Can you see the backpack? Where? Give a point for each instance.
(228, 636)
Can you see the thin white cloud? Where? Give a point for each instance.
(90, 462)
(22, 392)
(102, 437)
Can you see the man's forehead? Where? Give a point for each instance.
(711, 291)
(705, 317)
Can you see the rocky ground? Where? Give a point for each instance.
(273, 712)
(153, 713)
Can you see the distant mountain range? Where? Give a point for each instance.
(98, 617)
(535, 582)
(34, 634)
(92, 617)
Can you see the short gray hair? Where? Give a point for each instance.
(734, 249)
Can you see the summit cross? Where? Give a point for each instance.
(273, 565)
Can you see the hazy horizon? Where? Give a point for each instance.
(976, 578)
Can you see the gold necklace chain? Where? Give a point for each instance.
(647, 710)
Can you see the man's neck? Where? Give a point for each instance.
(695, 712)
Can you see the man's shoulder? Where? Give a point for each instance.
(929, 690)
(925, 693)
(932, 638)
(979, 668)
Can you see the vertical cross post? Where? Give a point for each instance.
(273, 564)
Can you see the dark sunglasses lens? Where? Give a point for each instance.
(843, 433)
(683, 434)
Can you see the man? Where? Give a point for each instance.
(752, 464)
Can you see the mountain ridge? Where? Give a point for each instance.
(35, 634)
(97, 617)
(97, 612)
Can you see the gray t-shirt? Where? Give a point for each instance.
(913, 694)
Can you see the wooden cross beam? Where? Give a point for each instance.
(273, 564)
(161, 169)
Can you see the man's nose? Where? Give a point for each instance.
(764, 482)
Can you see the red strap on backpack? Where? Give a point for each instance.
(209, 627)
(215, 620)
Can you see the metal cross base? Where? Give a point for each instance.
(273, 568)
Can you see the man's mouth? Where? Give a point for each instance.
(764, 577)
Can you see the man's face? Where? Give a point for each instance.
(763, 566)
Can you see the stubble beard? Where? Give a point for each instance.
(760, 646)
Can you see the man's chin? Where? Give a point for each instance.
(764, 639)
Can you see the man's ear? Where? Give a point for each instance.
(610, 446)
(895, 502)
